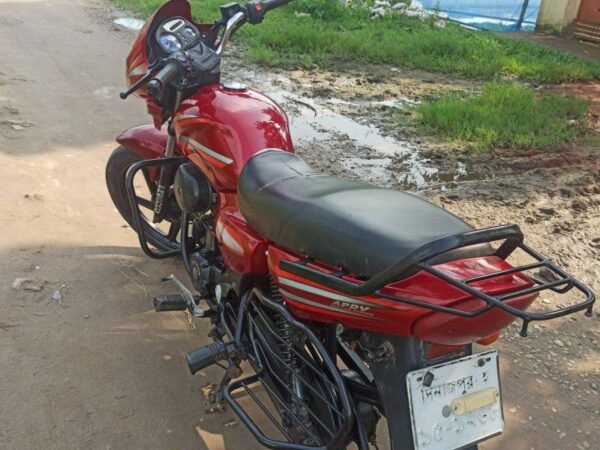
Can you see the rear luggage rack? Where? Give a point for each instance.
(420, 259)
(269, 428)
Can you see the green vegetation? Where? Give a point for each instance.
(334, 33)
(506, 116)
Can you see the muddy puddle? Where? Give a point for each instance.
(339, 136)
(129, 23)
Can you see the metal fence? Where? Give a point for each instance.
(499, 15)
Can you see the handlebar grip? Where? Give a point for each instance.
(269, 5)
(255, 11)
(157, 83)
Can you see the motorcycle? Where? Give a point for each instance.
(345, 302)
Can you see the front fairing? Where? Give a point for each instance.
(141, 54)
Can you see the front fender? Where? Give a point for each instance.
(145, 141)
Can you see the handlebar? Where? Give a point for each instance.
(234, 16)
(272, 4)
(172, 70)
(255, 11)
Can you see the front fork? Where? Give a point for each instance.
(165, 178)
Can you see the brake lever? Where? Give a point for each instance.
(139, 83)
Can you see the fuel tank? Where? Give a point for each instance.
(219, 128)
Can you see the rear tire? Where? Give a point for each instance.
(408, 355)
(117, 167)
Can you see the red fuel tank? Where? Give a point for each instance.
(221, 127)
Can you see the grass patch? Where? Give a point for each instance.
(506, 116)
(339, 34)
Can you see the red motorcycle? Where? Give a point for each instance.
(350, 303)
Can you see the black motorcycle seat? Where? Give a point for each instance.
(361, 228)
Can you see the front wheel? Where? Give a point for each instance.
(162, 236)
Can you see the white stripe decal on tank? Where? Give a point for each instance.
(207, 151)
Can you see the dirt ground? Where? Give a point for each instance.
(85, 363)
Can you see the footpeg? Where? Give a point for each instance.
(170, 302)
(190, 301)
(208, 355)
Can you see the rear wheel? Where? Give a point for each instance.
(163, 236)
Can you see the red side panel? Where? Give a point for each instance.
(243, 250)
(310, 301)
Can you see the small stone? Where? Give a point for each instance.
(18, 282)
(17, 127)
(57, 296)
(38, 197)
(28, 284)
(559, 342)
(547, 210)
(87, 316)
(378, 12)
(586, 444)
(399, 6)
(594, 386)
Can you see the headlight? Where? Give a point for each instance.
(170, 43)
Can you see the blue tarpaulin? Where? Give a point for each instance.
(500, 15)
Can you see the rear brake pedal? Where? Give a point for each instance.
(170, 302)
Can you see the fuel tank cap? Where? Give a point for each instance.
(234, 86)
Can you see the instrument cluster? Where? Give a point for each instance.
(176, 34)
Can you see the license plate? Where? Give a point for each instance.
(456, 403)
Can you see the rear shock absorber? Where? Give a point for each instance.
(286, 334)
(292, 367)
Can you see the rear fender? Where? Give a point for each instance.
(404, 355)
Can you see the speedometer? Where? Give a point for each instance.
(170, 43)
(189, 33)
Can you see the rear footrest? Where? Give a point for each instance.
(170, 302)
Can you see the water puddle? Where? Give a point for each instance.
(337, 128)
(130, 23)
